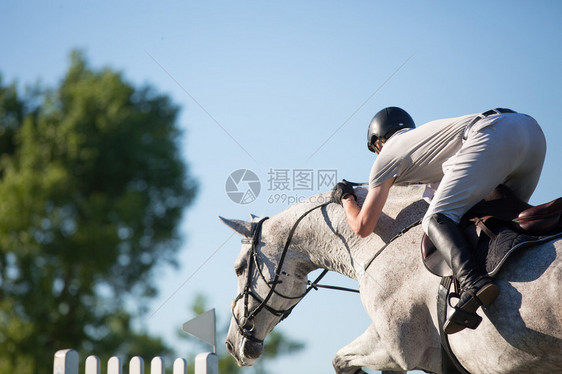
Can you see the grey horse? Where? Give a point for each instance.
(521, 331)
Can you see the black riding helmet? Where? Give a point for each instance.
(385, 123)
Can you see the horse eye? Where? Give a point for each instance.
(239, 270)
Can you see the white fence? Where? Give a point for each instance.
(66, 362)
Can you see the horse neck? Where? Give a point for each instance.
(329, 242)
(325, 240)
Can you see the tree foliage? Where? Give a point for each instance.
(92, 188)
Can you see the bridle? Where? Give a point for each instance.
(246, 324)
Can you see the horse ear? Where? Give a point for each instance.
(254, 218)
(241, 227)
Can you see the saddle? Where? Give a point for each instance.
(496, 227)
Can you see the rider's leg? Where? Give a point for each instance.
(501, 153)
(477, 287)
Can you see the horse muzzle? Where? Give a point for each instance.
(246, 353)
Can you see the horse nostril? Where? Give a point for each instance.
(229, 347)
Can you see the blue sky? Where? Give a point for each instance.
(287, 85)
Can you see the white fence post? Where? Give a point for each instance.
(136, 365)
(157, 365)
(206, 363)
(66, 362)
(114, 365)
(92, 365)
(180, 366)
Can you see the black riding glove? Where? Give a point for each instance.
(341, 190)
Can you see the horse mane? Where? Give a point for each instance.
(404, 206)
(399, 198)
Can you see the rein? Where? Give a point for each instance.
(246, 325)
(404, 230)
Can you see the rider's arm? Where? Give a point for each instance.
(363, 221)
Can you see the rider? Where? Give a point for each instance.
(460, 160)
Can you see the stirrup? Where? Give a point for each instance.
(459, 320)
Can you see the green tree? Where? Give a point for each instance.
(92, 188)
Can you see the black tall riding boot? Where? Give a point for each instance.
(477, 288)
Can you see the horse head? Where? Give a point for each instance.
(269, 287)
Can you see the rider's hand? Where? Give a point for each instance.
(342, 190)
